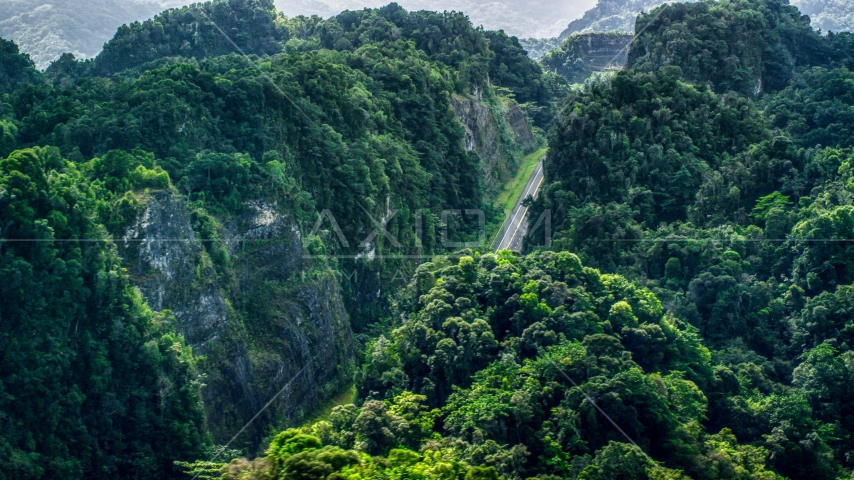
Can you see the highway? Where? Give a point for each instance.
(516, 225)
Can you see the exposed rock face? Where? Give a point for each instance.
(166, 267)
(521, 128)
(270, 323)
(498, 137)
(611, 15)
(583, 54)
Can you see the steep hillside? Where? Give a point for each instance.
(93, 383)
(264, 170)
(734, 212)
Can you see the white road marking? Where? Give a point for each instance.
(509, 242)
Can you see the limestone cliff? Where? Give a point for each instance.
(580, 55)
(166, 265)
(498, 131)
(268, 320)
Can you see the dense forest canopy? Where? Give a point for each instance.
(16, 68)
(92, 382)
(732, 208)
(348, 115)
(743, 46)
(690, 317)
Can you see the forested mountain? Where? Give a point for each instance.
(758, 47)
(198, 243)
(92, 382)
(707, 312)
(46, 29)
(201, 173)
(16, 68)
(620, 15)
(733, 211)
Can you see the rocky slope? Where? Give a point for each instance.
(498, 131)
(611, 15)
(270, 321)
(580, 55)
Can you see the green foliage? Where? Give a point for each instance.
(530, 412)
(312, 461)
(723, 224)
(749, 46)
(543, 317)
(765, 204)
(192, 32)
(736, 213)
(93, 383)
(16, 70)
(659, 139)
(348, 116)
(816, 109)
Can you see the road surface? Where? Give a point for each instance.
(516, 226)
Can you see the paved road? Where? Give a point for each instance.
(516, 226)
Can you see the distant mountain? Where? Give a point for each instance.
(620, 15)
(829, 15)
(538, 47)
(45, 29)
(580, 55)
(610, 15)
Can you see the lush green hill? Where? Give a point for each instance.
(16, 69)
(498, 363)
(93, 384)
(344, 120)
(193, 32)
(700, 328)
(733, 211)
(748, 47)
